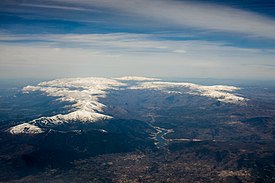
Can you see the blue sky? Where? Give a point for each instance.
(160, 38)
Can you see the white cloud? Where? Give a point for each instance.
(187, 14)
(57, 7)
(178, 14)
(121, 42)
(72, 55)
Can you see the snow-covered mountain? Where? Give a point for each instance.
(84, 95)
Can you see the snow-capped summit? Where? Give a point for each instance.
(76, 116)
(219, 92)
(25, 128)
(136, 78)
(84, 95)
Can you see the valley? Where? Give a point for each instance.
(150, 135)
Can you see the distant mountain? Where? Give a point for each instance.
(137, 129)
(85, 96)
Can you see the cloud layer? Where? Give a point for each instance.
(156, 38)
(180, 14)
(117, 54)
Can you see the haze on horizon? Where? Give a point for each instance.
(157, 38)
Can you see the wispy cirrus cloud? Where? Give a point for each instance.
(58, 7)
(124, 43)
(100, 37)
(180, 14)
(127, 54)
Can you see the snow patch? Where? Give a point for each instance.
(136, 78)
(84, 95)
(221, 93)
(25, 128)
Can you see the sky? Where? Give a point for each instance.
(156, 38)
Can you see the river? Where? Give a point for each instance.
(159, 136)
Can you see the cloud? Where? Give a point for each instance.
(58, 7)
(202, 16)
(121, 42)
(180, 14)
(117, 54)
